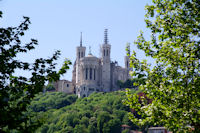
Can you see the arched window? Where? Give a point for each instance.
(86, 73)
(107, 52)
(81, 54)
(90, 73)
(127, 64)
(94, 74)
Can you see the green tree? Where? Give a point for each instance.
(44, 128)
(51, 100)
(173, 83)
(80, 129)
(125, 131)
(16, 92)
(120, 83)
(102, 118)
(50, 87)
(92, 128)
(84, 121)
(113, 126)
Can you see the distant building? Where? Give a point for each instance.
(64, 86)
(93, 74)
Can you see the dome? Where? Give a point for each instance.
(90, 55)
(90, 59)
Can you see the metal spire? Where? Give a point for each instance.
(106, 36)
(81, 40)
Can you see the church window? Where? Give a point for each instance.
(127, 64)
(67, 85)
(81, 54)
(86, 73)
(94, 74)
(91, 89)
(90, 73)
(104, 51)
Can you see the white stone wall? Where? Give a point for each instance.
(118, 73)
(106, 67)
(89, 70)
(64, 86)
(93, 74)
(101, 81)
(80, 53)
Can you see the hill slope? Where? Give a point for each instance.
(98, 113)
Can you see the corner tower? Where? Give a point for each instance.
(105, 62)
(80, 53)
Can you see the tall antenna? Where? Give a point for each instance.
(81, 40)
(106, 36)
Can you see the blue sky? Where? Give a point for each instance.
(57, 24)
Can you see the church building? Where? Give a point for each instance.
(97, 74)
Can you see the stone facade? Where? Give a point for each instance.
(64, 86)
(92, 74)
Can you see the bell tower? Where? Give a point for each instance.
(106, 48)
(105, 62)
(80, 50)
(80, 53)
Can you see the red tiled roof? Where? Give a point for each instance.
(125, 126)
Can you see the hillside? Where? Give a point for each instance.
(98, 113)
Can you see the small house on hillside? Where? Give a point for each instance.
(64, 86)
(124, 127)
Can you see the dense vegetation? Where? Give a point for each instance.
(130, 83)
(50, 87)
(173, 83)
(98, 113)
(47, 101)
(16, 92)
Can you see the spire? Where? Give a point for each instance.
(81, 40)
(106, 36)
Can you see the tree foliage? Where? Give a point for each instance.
(98, 113)
(47, 101)
(50, 87)
(16, 92)
(130, 83)
(173, 83)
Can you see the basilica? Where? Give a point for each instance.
(97, 74)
